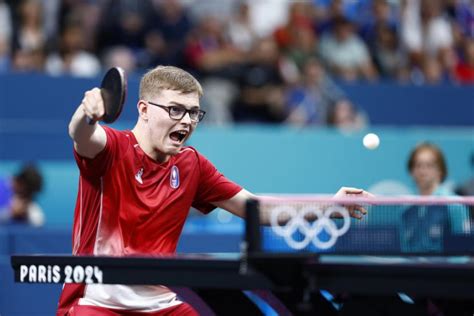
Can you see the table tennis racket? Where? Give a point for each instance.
(114, 91)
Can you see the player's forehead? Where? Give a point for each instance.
(175, 97)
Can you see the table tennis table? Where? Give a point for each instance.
(288, 282)
(282, 275)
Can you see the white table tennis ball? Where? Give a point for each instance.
(371, 141)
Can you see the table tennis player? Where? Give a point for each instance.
(137, 186)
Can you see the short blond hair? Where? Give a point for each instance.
(168, 78)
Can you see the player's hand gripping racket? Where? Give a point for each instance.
(114, 91)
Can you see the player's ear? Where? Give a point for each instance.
(142, 107)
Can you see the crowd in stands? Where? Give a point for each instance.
(18, 197)
(259, 61)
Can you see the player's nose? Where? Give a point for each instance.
(187, 118)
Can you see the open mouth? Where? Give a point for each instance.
(179, 136)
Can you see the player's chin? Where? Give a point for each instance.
(174, 149)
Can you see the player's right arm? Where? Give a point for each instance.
(89, 139)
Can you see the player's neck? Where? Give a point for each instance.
(144, 142)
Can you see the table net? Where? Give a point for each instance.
(392, 226)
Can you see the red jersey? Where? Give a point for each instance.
(130, 204)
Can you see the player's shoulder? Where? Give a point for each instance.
(111, 130)
(123, 140)
(125, 134)
(188, 151)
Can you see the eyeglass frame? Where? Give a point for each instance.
(201, 113)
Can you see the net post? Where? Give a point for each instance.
(252, 226)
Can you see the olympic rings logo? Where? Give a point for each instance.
(310, 230)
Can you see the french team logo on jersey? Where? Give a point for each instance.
(174, 177)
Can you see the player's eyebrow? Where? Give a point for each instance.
(183, 105)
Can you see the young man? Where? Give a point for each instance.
(136, 188)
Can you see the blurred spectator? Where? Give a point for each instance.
(120, 56)
(261, 96)
(464, 70)
(344, 116)
(5, 20)
(171, 22)
(124, 23)
(50, 10)
(211, 54)
(388, 56)
(29, 32)
(297, 42)
(28, 60)
(17, 202)
(328, 11)
(156, 52)
(381, 15)
(87, 14)
(380, 32)
(29, 38)
(209, 51)
(5, 36)
(428, 168)
(218, 100)
(309, 101)
(345, 53)
(240, 30)
(461, 13)
(303, 46)
(298, 18)
(267, 16)
(72, 58)
(424, 228)
(426, 33)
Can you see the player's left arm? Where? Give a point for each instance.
(236, 204)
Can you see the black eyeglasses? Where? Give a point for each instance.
(177, 112)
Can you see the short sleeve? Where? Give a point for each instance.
(117, 144)
(213, 186)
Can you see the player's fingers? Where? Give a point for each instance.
(90, 110)
(93, 104)
(88, 113)
(360, 209)
(349, 190)
(93, 96)
(356, 207)
(368, 194)
(354, 214)
(100, 108)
